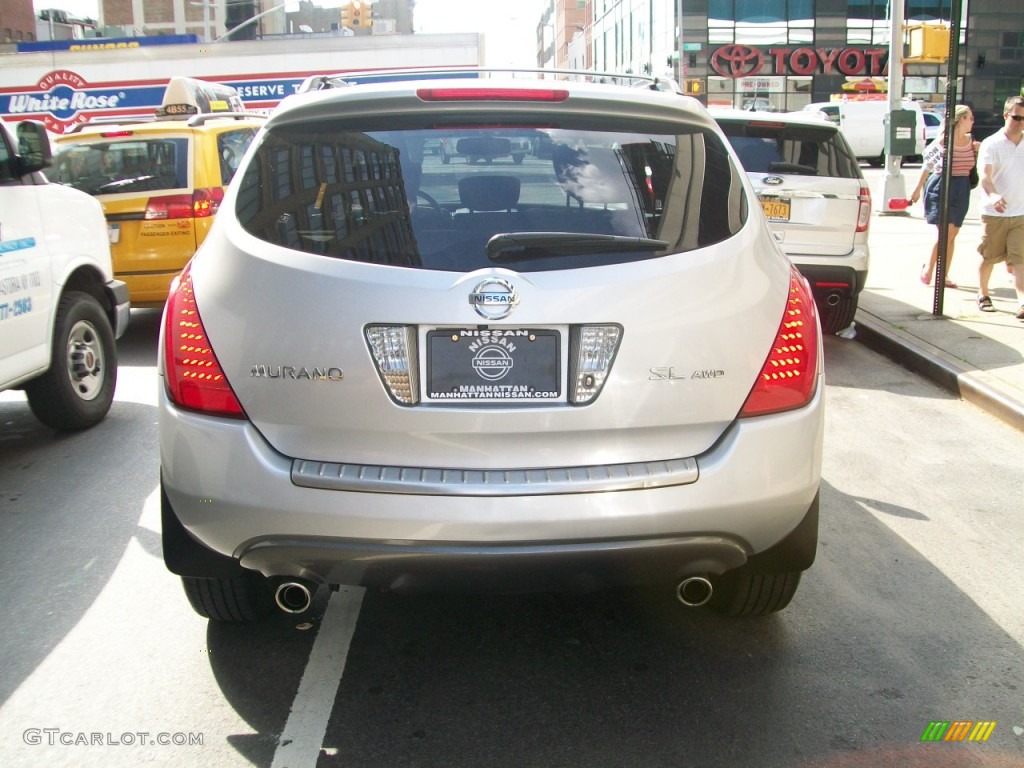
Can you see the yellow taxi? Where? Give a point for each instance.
(160, 181)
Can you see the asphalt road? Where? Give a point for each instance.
(912, 614)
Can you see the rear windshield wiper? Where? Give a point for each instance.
(521, 246)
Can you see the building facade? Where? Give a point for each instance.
(17, 22)
(563, 34)
(783, 54)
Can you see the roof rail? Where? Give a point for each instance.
(344, 79)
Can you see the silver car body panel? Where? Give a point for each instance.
(682, 311)
(755, 485)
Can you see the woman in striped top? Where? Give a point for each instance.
(965, 155)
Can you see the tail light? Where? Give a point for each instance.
(195, 380)
(202, 203)
(864, 213)
(789, 376)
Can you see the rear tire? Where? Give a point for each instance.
(834, 319)
(744, 593)
(243, 599)
(78, 389)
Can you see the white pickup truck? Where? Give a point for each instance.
(61, 310)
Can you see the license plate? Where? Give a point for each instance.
(114, 233)
(494, 365)
(775, 208)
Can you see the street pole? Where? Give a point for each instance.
(681, 73)
(952, 73)
(251, 20)
(894, 183)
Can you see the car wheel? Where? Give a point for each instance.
(518, 159)
(445, 157)
(246, 598)
(744, 593)
(78, 389)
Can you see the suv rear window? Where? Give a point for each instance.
(772, 147)
(376, 196)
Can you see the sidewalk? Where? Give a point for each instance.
(978, 356)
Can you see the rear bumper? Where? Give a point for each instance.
(233, 502)
(833, 278)
(570, 566)
(847, 273)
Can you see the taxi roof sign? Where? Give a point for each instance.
(188, 96)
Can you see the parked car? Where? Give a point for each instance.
(160, 181)
(815, 198)
(61, 309)
(593, 369)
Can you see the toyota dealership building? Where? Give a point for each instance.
(783, 54)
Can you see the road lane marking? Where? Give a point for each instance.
(303, 735)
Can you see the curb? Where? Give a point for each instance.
(976, 387)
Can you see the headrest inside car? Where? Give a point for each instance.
(489, 193)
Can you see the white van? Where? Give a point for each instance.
(863, 125)
(61, 310)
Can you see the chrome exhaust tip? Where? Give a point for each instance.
(694, 591)
(293, 597)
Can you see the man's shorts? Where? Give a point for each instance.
(1002, 239)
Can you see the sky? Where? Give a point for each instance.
(509, 26)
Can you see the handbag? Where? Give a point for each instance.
(973, 176)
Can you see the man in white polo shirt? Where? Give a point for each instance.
(1001, 167)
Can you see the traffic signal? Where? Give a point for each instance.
(356, 14)
(927, 44)
(694, 87)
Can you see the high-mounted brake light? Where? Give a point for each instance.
(492, 94)
(201, 204)
(789, 376)
(116, 134)
(195, 380)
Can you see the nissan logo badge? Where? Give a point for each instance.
(494, 299)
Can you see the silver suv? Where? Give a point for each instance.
(592, 368)
(816, 200)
